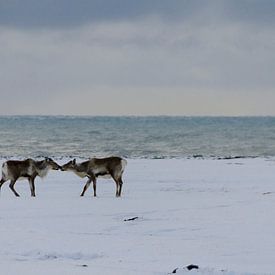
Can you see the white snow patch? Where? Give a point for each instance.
(207, 271)
(217, 214)
(43, 256)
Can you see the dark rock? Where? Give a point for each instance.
(83, 265)
(192, 266)
(197, 156)
(131, 219)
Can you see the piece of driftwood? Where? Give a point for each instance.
(131, 219)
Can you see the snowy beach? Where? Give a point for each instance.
(217, 214)
(181, 90)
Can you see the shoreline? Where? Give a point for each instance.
(194, 157)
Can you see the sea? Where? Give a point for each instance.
(136, 137)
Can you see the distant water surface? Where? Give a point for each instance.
(136, 137)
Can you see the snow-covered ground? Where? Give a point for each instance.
(217, 214)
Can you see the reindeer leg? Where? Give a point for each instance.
(2, 182)
(117, 184)
(32, 186)
(12, 183)
(117, 188)
(93, 178)
(120, 186)
(94, 186)
(86, 187)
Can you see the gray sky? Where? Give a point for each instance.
(146, 57)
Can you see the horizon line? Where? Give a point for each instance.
(141, 116)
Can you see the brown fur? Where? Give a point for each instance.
(14, 169)
(95, 167)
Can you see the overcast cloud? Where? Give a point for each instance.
(137, 57)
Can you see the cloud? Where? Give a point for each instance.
(71, 13)
(206, 61)
(140, 53)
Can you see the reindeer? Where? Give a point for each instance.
(112, 167)
(17, 169)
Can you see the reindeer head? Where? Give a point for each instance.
(53, 165)
(69, 166)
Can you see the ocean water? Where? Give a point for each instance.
(136, 137)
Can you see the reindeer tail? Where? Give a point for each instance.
(123, 164)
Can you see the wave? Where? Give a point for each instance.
(137, 137)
